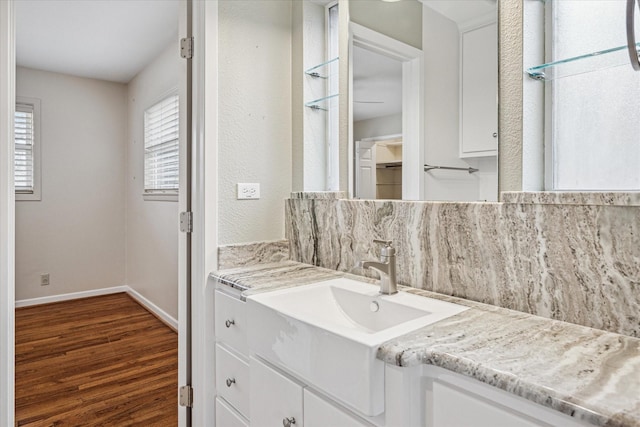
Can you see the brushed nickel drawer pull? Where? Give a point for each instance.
(286, 422)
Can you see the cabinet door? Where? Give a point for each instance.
(276, 400)
(456, 401)
(320, 413)
(453, 407)
(227, 417)
(365, 169)
(479, 92)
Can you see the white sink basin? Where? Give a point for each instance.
(328, 334)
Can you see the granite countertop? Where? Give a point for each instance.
(587, 373)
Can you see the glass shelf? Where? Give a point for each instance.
(582, 64)
(321, 103)
(321, 71)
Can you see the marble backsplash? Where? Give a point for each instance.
(574, 262)
(246, 254)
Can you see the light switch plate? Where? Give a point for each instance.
(248, 191)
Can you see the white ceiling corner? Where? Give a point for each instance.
(103, 39)
(377, 85)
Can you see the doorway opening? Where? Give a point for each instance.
(396, 96)
(107, 79)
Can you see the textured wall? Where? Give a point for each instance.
(510, 90)
(254, 120)
(576, 263)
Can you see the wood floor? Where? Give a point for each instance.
(101, 361)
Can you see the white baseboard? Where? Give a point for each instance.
(143, 301)
(71, 296)
(154, 309)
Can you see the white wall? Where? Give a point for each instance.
(152, 226)
(254, 41)
(379, 126)
(401, 21)
(76, 232)
(441, 62)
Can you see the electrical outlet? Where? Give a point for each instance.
(248, 191)
(44, 279)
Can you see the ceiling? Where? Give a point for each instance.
(462, 11)
(377, 79)
(377, 85)
(102, 39)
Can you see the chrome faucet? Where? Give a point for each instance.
(386, 268)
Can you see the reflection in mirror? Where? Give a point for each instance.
(316, 62)
(445, 115)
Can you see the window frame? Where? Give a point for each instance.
(36, 194)
(550, 90)
(159, 195)
(332, 42)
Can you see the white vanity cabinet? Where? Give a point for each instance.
(278, 399)
(269, 387)
(479, 90)
(318, 412)
(435, 397)
(232, 360)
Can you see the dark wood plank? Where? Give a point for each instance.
(101, 361)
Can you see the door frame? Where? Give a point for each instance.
(204, 193)
(185, 376)
(7, 214)
(412, 104)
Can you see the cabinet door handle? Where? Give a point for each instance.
(230, 381)
(631, 36)
(228, 323)
(286, 422)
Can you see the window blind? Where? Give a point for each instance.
(161, 136)
(24, 136)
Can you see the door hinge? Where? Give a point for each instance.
(186, 47)
(186, 222)
(186, 396)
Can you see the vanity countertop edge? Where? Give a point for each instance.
(589, 374)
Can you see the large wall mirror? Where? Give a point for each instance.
(421, 99)
(423, 111)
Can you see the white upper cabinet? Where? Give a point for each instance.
(479, 91)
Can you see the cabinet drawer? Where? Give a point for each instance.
(275, 398)
(226, 416)
(320, 413)
(231, 322)
(232, 379)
